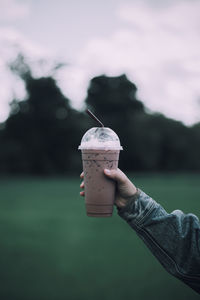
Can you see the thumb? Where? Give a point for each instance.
(116, 175)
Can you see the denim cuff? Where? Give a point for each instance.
(138, 208)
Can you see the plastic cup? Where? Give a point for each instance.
(100, 147)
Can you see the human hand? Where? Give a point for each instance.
(125, 188)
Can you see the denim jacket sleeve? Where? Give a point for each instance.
(173, 238)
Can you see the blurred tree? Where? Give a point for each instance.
(194, 146)
(42, 132)
(114, 101)
(113, 97)
(172, 144)
(151, 141)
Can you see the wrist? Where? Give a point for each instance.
(132, 198)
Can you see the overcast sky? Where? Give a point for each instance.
(155, 42)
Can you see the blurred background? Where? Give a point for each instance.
(136, 65)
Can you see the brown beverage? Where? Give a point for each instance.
(100, 148)
(99, 190)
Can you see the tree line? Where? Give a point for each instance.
(42, 133)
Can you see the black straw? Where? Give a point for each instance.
(94, 117)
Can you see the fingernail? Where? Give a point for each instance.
(107, 171)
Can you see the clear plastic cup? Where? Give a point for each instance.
(100, 147)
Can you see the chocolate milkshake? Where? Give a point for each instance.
(100, 150)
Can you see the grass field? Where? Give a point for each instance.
(50, 249)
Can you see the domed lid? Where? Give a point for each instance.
(102, 138)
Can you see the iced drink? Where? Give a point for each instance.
(100, 148)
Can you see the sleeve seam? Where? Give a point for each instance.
(184, 276)
(151, 205)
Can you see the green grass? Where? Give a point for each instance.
(50, 249)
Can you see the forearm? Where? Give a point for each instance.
(173, 238)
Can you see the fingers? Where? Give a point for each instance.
(82, 193)
(82, 185)
(117, 175)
